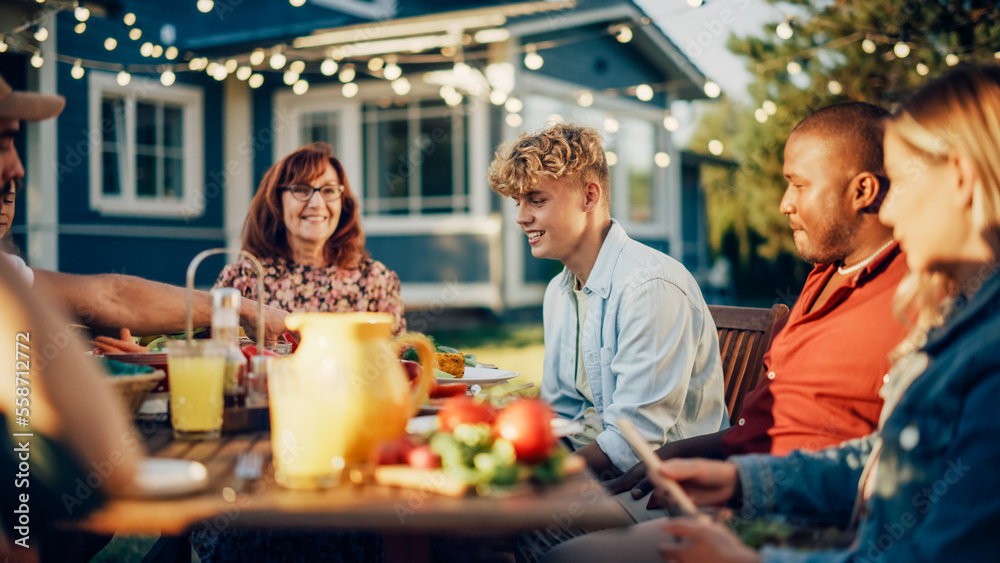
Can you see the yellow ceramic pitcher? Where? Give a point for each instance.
(357, 353)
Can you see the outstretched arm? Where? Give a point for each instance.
(113, 301)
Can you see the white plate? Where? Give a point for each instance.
(164, 477)
(422, 424)
(481, 376)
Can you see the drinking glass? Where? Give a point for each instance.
(196, 370)
(307, 450)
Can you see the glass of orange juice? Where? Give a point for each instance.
(196, 371)
(308, 453)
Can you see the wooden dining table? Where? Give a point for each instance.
(405, 517)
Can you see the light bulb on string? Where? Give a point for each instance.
(923, 69)
(77, 70)
(375, 64)
(347, 74)
(401, 86)
(297, 3)
(220, 73)
(584, 98)
(498, 97)
(611, 125)
(123, 78)
(198, 63)
(290, 77)
(232, 65)
(278, 60)
(760, 115)
(514, 120)
(868, 46)
(461, 69)
(146, 49)
(328, 67)
(770, 107)
(300, 87)
(715, 147)
(167, 78)
(298, 67)
(951, 59)
(793, 67)
(171, 52)
(205, 6)
(81, 13)
(80, 27)
(712, 90)
(392, 71)
(901, 49)
(37, 61)
(255, 80)
(157, 51)
(257, 57)
(243, 72)
(532, 59)
(134, 34)
(670, 123)
(513, 105)
(3, 46)
(661, 159)
(695, 3)
(611, 157)
(110, 43)
(349, 90)
(835, 87)
(41, 34)
(784, 30)
(129, 18)
(644, 92)
(624, 34)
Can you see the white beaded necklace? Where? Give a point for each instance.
(845, 271)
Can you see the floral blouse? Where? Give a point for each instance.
(371, 287)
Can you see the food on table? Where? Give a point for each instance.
(442, 390)
(464, 410)
(451, 363)
(423, 457)
(527, 425)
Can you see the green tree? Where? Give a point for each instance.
(838, 51)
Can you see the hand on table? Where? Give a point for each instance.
(707, 482)
(274, 321)
(697, 540)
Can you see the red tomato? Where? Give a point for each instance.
(449, 390)
(250, 350)
(463, 410)
(422, 457)
(392, 452)
(527, 424)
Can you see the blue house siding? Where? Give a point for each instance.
(433, 258)
(151, 258)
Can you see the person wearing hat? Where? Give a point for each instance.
(104, 302)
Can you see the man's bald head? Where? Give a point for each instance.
(857, 127)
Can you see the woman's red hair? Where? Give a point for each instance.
(264, 230)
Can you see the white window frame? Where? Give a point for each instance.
(665, 181)
(287, 126)
(127, 203)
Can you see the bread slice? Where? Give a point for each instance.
(451, 363)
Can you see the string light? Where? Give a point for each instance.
(290, 77)
(715, 147)
(157, 51)
(37, 61)
(297, 3)
(167, 78)
(231, 65)
(349, 90)
(243, 72)
(146, 49)
(835, 87)
(513, 105)
(611, 125)
(375, 64)
(298, 67)
(205, 6)
(110, 43)
(670, 123)
(77, 70)
(80, 27)
(624, 34)
(220, 72)
(644, 92)
(922, 69)
(951, 59)
(81, 13)
(868, 46)
(277, 60)
(41, 34)
(300, 87)
(770, 107)
(134, 34)
(347, 74)
(532, 59)
(661, 159)
(171, 52)
(513, 119)
(784, 30)
(255, 80)
(584, 98)
(793, 67)
(129, 18)
(257, 57)
(123, 78)
(3, 46)
(760, 115)
(498, 97)
(712, 90)
(401, 86)
(199, 63)
(611, 157)
(328, 67)
(392, 71)
(901, 49)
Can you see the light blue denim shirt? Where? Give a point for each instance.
(650, 348)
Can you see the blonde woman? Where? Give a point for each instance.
(923, 487)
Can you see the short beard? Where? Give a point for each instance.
(836, 244)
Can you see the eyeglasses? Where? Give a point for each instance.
(304, 192)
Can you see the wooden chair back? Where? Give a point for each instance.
(744, 336)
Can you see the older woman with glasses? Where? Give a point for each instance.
(303, 226)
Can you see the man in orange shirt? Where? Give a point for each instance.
(827, 362)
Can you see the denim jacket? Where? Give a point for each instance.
(650, 348)
(936, 494)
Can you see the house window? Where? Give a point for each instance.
(320, 127)
(416, 158)
(150, 141)
(636, 143)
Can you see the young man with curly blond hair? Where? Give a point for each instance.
(627, 331)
